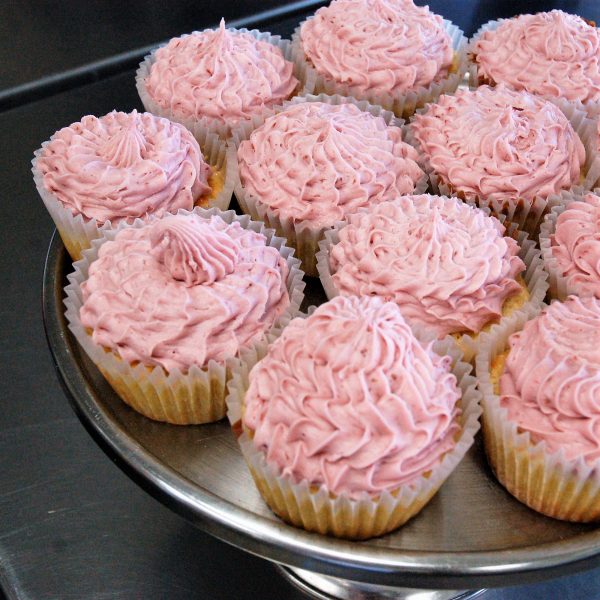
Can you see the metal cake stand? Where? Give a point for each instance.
(473, 534)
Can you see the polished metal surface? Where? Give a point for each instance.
(472, 534)
(324, 587)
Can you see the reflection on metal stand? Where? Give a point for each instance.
(325, 587)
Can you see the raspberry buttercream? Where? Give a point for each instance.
(124, 165)
(318, 162)
(551, 380)
(499, 144)
(222, 74)
(182, 291)
(553, 54)
(378, 46)
(446, 264)
(349, 398)
(576, 245)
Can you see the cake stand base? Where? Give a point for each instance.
(325, 587)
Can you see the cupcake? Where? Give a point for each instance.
(570, 242)
(350, 424)
(391, 53)
(496, 147)
(164, 308)
(211, 80)
(122, 166)
(551, 54)
(314, 162)
(448, 266)
(541, 391)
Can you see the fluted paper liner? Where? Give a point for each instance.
(200, 126)
(560, 287)
(192, 397)
(302, 235)
(77, 231)
(403, 104)
(313, 507)
(545, 481)
(535, 278)
(526, 214)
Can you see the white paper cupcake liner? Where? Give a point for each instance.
(198, 395)
(402, 104)
(545, 481)
(77, 231)
(535, 277)
(302, 235)
(314, 508)
(560, 287)
(200, 126)
(526, 214)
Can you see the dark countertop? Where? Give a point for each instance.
(72, 525)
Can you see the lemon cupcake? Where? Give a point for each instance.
(391, 53)
(316, 160)
(212, 80)
(450, 267)
(350, 424)
(164, 308)
(101, 171)
(570, 243)
(541, 381)
(510, 151)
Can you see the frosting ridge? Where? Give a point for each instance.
(159, 294)
(194, 252)
(500, 144)
(221, 74)
(123, 166)
(378, 46)
(551, 381)
(447, 265)
(576, 244)
(318, 162)
(561, 53)
(349, 398)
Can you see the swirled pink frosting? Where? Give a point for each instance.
(446, 264)
(221, 74)
(183, 291)
(499, 144)
(319, 162)
(551, 382)
(552, 54)
(378, 46)
(576, 245)
(124, 165)
(349, 398)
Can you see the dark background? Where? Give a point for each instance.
(71, 524)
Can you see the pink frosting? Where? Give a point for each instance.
(576, 245)
(553, 54)
(220, 74)
(378, 46)
(446, 264)
(551, 382)
(319, 162)
(123, 166)
(499, 144)
(183, 291)
(349, 398)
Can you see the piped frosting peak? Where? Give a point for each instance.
(193, 252)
